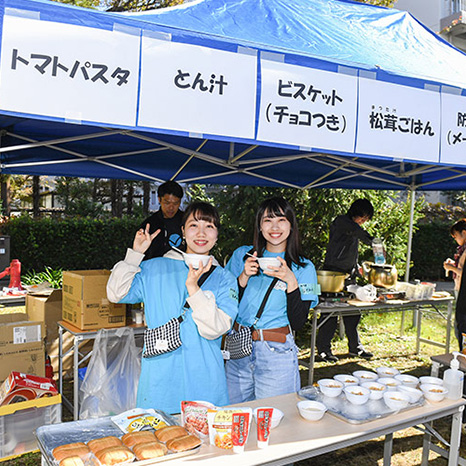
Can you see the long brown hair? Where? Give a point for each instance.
(279, 207)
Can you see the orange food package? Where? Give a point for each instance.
(194, 417)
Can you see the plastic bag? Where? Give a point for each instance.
(111, 381)
(363, 293)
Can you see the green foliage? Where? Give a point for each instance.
(315, 211)
(53, 276)
(70, 244)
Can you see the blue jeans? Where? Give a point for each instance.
(271, 370)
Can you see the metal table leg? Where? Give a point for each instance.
(312, 357)
(387, 450)
(76, 378)
(449, 314)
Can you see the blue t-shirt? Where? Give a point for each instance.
(275, 311)
(195, 371)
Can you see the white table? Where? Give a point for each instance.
(428, 305)
(79, 357)
(297, 439)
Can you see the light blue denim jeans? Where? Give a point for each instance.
(271, 370)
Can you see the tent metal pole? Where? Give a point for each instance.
(412, 191)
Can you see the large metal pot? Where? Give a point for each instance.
(331, 282)
(385, 276)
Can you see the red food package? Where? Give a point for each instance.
(194, 417)
(24, 387)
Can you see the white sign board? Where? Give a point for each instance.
(307, 107)
(453, 142)
(197, 89)
(66, 71)
(398, 121)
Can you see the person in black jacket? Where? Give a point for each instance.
(167, 219)
(342, 256)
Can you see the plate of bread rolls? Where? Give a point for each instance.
(96, 449)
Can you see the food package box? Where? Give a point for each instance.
(21, 346)
(19, 387)
(19, 421)
(85, 303)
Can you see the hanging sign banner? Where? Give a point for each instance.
(453, 142)
(66, 71)
(307, 107)
(197, 89)
(398, 121)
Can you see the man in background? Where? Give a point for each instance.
(167, 219)
(342, 256)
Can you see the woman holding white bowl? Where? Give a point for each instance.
(169, 288)
(285, 293)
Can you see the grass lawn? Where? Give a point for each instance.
(380, 333)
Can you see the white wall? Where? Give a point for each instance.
(428, 12)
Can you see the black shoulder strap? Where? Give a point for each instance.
(200, 282)
(264, 301)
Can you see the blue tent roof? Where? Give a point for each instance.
(322, 34)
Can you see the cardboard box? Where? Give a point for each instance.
(21, 346)
(19, 387)
(85, 303)
(19, 421)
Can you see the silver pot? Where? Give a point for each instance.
(384, 276)
(331, 282)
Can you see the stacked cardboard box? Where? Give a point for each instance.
(21, 345)
(85, 303)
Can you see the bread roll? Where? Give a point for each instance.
(170, 432)
(98, 444)
(134, 438)
(72, 461)
(62, 453)
(145, 451)
(187, 442)
(114, 455)
(68, 446)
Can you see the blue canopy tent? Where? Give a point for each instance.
(328, 93)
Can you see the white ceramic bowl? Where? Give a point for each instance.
(377, 389)
(408, 380)
(311, 410)
(266, 262)
(365, 376)
(277, 416)
(385, 371)
(356, 394)
(413, 393)
(330, 387)
(396, 400)
(390, 383)
(194, 259)
(426, 379)
(346, 379)
(433, 392)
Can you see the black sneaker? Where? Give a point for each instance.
(361, 354)
(327, 357)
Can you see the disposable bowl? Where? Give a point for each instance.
(377, 389)
(311, 410)
(408, 380)
(330, 387)
(346, 379)
(385, 371)
(413, 393)
(266, 262)
(194, 259)
(396, 400)
(390, 383)
(426, 379)
(365, 376)
(357, 395)
(433, 392)
(277, 416)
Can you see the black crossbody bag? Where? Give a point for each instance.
(239, 342)
(166, 338)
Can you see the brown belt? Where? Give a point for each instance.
(271, 334)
